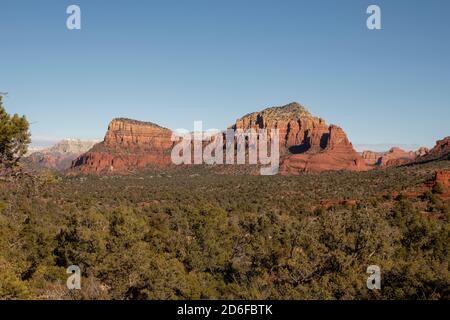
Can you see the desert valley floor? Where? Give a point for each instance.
(202, 232)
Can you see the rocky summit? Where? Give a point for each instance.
(299, 131)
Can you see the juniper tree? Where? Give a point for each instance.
(14, 137)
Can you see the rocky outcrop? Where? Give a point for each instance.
(72, 146)
(336, 154)
(443, 178)
(421, 152)
(129, 145)
(395, 157)
(441, 184)
(61, 155)
(440, 151)
(371, 158)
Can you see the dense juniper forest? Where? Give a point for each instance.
(202, 233)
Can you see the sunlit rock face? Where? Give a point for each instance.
(129, 145)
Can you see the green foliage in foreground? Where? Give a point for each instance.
(14, 137)
(200, 235)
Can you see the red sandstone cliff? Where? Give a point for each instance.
(393, 158)
(128, 145)
(299, 131)
(443, 178)
(307, 143)
(397, 157)
(440, 151)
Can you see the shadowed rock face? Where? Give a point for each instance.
(307, 143)
(338, 154)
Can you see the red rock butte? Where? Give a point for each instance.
(129, 145)
(307, 143)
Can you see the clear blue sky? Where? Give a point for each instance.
(173, 62)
